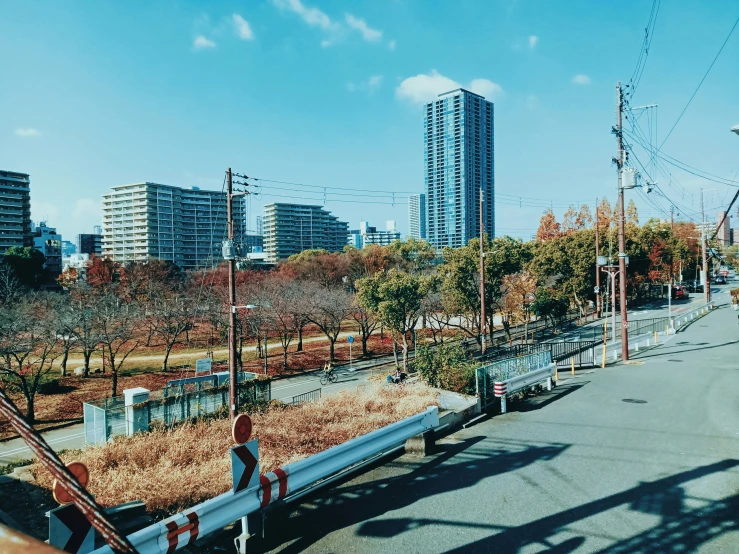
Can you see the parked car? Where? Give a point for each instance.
(679, 292)
(694, 286)
(720, 280)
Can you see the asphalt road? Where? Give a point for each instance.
(631, 458)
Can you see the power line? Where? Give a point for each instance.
(641, 61)
(701, 82)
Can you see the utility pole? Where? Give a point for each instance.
(621, 225)
(482, 279)
(231, 300)
(706, 281)
(597, 268)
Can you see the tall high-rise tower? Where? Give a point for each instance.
(458, 166)
(417, 216)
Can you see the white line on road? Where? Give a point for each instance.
(53, 441)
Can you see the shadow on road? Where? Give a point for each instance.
(666, 351)
(543, 400)
(349, 505)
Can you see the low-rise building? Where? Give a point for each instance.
(49, 242)
(366, 234)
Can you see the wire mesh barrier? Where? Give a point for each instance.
(501, 370)
(112, 416)
(310, 396)
(514, 351)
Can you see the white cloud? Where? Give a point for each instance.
(485, 88)
(87, 210)
(533, 41)
(312, 16)
(326, 43)
(242, 27)
(201, 42)
(532, 102)
(27, 132)
(424, 88)
(368, 34)
(44, 211)
(370, 85)
(581, 79)
(391, 45)
(374, 82)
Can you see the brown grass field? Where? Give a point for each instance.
(170, 470)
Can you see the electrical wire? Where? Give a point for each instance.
(700, 83)
(641, 61)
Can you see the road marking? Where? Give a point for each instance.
(53, 441)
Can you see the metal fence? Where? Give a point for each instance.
(110, 417)
(505, 369)
(310, 396)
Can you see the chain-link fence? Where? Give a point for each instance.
(186, 400)
(487, 375)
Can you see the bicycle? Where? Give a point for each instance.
(329, 377)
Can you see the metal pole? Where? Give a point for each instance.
(706, 282)
(231, 306)
(597, 268)
(482, 279)
(265, 353)
(612, 275)
(621, 230)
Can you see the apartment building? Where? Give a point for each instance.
(367, 234)
(417, 216)
(49, 243)
(458, 167)
(90, 243)
(292, 228)
(186, 226)
(15, 210)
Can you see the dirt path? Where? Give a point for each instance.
(74, 362)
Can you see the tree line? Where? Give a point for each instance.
(405, 289)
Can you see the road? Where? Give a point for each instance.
(630, 458)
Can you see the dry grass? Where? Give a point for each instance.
(172, 470)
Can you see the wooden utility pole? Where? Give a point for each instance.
(706, 279)
(483, 326)
(231, 259)
(597, 267)
(621, 226)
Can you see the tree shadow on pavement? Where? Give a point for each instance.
(680, 529)
(668, 352)
(331, 510)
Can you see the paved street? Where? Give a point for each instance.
(631, 458)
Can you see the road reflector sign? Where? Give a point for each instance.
(245, 466)
(69, 530)
(80, 472)
(241, 430)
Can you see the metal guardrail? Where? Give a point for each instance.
(487, 375)
(184, 528)
(504, 387)
(310, 396)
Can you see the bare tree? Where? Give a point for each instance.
(117, 324)
(366, 322)
(329, 308)
(83, 303)
(65, 323)
(437, 318)
(171, 317)
(282, 295)
(27, 347)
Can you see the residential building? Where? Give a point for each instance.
(68, 248)
(366, 234)
(49, 242)
(97, 229)
(723, 234)
(292, 228)
(15, 210)
(90, 244)
(260, 226)
(417, 216)
(253, 243)
(80, 262)
(186, 226)
(459, 167)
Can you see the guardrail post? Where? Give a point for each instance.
(573, 365)
(549, 383)
(503, 404)
(615, 355)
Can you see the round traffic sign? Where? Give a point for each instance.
(596, 289)
(350, 339)
(241, 431)
(80, 472)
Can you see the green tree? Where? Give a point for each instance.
(27, 263)
(395, 299)
(549, 305)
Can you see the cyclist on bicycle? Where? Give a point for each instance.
(328, 368)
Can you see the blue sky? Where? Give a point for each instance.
(329, 93)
